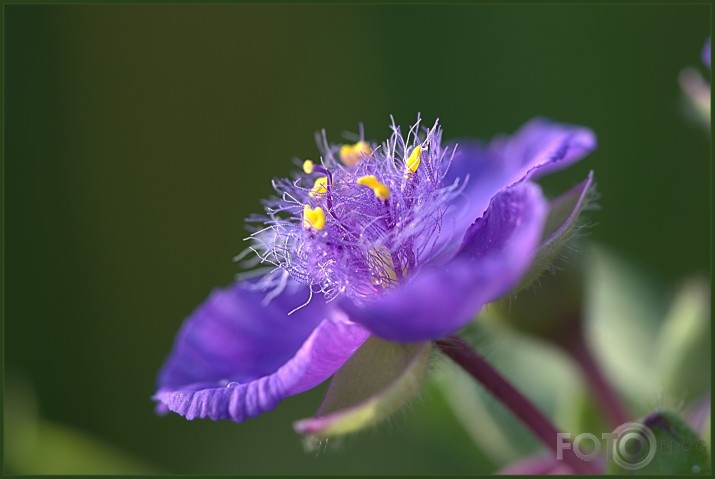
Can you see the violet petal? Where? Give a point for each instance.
(539, 147)
(236, 357)
(495, 252)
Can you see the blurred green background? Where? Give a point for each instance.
(138, 138)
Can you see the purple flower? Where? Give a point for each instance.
(405, 241)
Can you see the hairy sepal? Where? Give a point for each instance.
(376, 382)
(561, 226)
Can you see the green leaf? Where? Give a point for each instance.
(683, 358)
(376, 382)
(623, 313)
(663, 444)
(559, 229)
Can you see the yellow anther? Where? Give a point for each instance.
(363, 148)
(308, 167)
(320, 187)
(383, 267)
(413, 162)
(352, 154)
(313, 217)
(347, 156)
(381, 191)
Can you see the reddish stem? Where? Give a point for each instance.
(606, 396)
(461, 353)
(575, 346)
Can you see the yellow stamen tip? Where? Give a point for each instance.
(413, 162)
(313, 217)
(346, 155)
(308, 167)
(362, 148)
(381, 191)
(352, 154)
(320, 187)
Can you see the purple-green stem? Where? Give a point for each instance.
(604, 393)
(476, 366)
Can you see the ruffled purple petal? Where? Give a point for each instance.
(236, 358)
(496, 251)
(541, 147)
(233, 336)
(537, 148)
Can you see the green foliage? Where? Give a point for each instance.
(671, 448)
(623, 310)
(684, 344)
(540, 371)
(650, 352)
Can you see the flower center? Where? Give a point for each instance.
(361, 221)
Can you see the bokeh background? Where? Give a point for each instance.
(138, 138)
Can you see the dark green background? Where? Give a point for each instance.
(139, 137)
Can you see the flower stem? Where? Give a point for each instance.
(573, 342)
(461, 353)
(607, 398)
